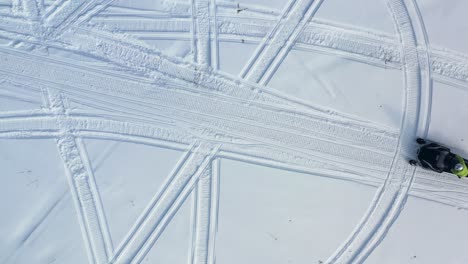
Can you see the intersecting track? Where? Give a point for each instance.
(369, 47)
(82, 185)
(203, 11)
(22, 125)
(190, 106)
(277, 43)
(161, 210)
(390, 199)
(81, 179)
(204, 113)
(67, 13)
(205, 212)
(324, 36)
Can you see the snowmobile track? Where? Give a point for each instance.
(391, 198)
(212, 115)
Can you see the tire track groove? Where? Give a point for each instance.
(207, 56)
(288, 42)
(115, 130)
(30, 9)
(279, 40)
(99, 208)
(71, 12)
(81, 182)
(201, 16)
(214, 210)
(425, 107)
(202, 213)
(248, 131)
(368, 47)
(162, 209)
(16, 7)
(214, 35)
(98, 127)
(141, 95)
(392, 196)
(104, 127)
(140, 59)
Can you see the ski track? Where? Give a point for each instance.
(214, 115)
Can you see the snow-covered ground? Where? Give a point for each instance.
(209, 131)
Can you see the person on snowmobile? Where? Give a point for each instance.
(440, 159)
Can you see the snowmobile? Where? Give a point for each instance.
(438, 158)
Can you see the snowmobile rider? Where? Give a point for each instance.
(440, 159)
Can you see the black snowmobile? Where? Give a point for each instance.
(436, 157)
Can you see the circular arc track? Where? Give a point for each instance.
(391, 197)
(400, 192)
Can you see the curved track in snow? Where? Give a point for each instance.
(209, 114)
(390, 199)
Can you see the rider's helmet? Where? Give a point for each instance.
(458, 167)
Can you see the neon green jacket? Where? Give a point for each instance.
(464, 172)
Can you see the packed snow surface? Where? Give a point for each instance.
(216, 131)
